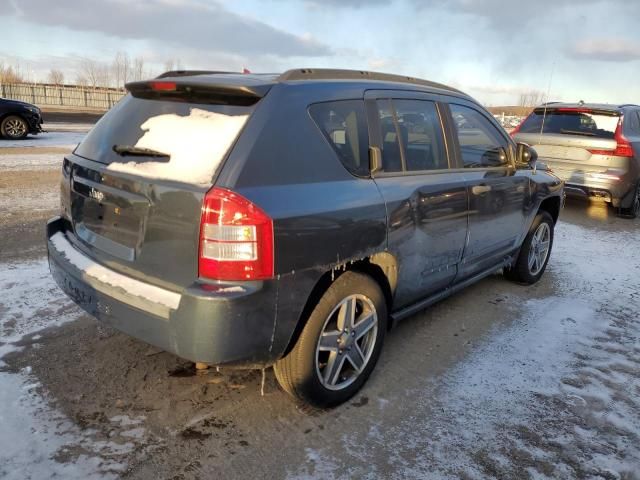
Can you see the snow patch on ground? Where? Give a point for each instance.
(21, 311)
(35, 161)
(68, 139)
(37, 441)
(196, 144)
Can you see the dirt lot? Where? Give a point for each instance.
(500, 381)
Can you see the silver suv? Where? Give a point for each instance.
(594, 148)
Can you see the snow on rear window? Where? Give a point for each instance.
(195, 136)
(195, 143)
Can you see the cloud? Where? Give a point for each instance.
(606, 50)
(188, 23)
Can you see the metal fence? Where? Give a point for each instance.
(62, 95)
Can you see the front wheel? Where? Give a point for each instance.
(14, 127)
(535, 251)
(339, 345)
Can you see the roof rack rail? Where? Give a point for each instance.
(549, 103)
(189, 73)
(341, 74)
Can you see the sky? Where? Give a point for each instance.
(492, 49)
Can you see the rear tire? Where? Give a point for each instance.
(633, 211)
(535, 251)
(14, 127)
(339, 345)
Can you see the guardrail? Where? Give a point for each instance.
(94, 98)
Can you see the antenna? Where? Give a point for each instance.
(544, 114)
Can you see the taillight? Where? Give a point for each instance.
(236, 238)
(623, 146)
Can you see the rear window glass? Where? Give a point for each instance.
(589, 124)
(194, 137)
(344, 125)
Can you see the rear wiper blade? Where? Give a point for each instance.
(130, 150)
(577, 132)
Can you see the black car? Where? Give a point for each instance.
(291, 220)
(19, 119)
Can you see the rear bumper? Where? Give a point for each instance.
(216, 324)
(587, 183)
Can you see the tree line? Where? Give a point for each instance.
(93, 73)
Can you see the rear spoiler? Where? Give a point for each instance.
(195, 90)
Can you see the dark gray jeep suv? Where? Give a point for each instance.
(289, 220)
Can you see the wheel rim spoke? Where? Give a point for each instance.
(346, 314)
(365, 323)
(356, 357)
(329, 341)
(333, 368)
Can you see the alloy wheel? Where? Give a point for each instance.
(539, 248)
(15, 128)
(347, 341)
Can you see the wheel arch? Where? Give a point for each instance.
(382, 267)
(551, 205)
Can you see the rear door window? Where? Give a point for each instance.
(481, 145)
(412, 138)
(572, 121)
(344, 125)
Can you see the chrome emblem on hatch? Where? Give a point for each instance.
(96, 194)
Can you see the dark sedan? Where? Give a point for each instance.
(19, 119)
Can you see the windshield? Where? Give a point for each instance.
(572, 122)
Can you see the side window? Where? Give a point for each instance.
(344, 124)
(421, 132)
(411, 134)
(390, 133)
(634, 122)
(481, 144)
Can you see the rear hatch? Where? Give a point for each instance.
(137, 182)
(577, 143)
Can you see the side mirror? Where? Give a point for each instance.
(527, 154)
(375, 160)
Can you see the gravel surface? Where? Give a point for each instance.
(499, 381)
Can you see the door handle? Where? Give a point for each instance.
(480, 189)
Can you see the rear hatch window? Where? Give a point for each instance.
(165, 139)
(572, 121)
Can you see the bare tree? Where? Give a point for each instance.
(92, 73)
(138, 71)
(172, 64)
(121, 68)
(10, 74)
(55, 77)
(531, 98)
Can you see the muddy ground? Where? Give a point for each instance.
(499, 381)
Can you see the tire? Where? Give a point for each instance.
(633, 211)
(14, 127)
(303, 372)
(523, 271)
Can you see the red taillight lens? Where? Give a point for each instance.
(236, 238)
(623, 146)
(163, 86)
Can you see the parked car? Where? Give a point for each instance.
(19, 119)
(594, 148)
(291, 220)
